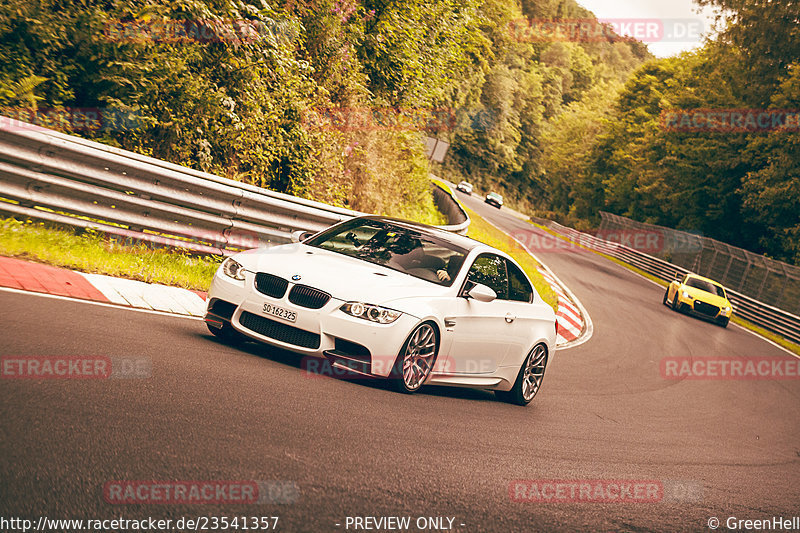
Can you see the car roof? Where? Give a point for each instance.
(460, 241)
(698, 276)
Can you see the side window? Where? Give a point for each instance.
(519, 288)
(490, 270)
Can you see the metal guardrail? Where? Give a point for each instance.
(47, 175)
(765, 279)
(770, 318)
(446, 203)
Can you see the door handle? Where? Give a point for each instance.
(510, 318)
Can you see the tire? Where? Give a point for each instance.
(723, 321)
(676, 306)
(529, 380)
(664, 301)
(415, 361)
(227, 334)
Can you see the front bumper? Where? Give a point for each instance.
(701, 309)
(325, 332)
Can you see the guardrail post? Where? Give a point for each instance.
(764, 281)
(783, 287)
(744, 276)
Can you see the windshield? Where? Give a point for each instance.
(705, 286)
(397, 247)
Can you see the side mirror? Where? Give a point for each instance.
(482, 293)
(300, 235)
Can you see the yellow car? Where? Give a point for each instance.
(701, 297)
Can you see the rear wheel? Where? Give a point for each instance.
(415, 361)
(529, 379)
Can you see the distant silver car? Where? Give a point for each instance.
(494, 199)
(465, 187)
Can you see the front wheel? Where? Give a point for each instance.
(676, 305)
(529, 379)
(415, 362)
(723, 321)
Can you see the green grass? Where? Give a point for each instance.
(481, 230)
(93, 252)
(774, 337)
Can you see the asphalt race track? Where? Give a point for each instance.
(354, 448)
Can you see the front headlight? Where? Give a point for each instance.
(232, 269)
(686, 295)
(373, 313)
(726, 309)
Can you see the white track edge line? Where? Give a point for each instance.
(103, 304)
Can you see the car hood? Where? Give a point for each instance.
(343, 277)
(704, 296)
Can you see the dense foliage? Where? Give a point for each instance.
(255, 91)
(330, 99)
(739, 185)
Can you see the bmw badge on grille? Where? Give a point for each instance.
(296, 277)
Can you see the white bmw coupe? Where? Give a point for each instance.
(392, 299)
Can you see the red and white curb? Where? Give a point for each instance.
(574, 327)
(568, 316)
(35, 277)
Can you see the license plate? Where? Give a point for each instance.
(280, 312)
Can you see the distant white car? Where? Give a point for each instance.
(494, 199)
(392, 299)
(465, 187)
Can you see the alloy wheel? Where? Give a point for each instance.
(418, 357)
